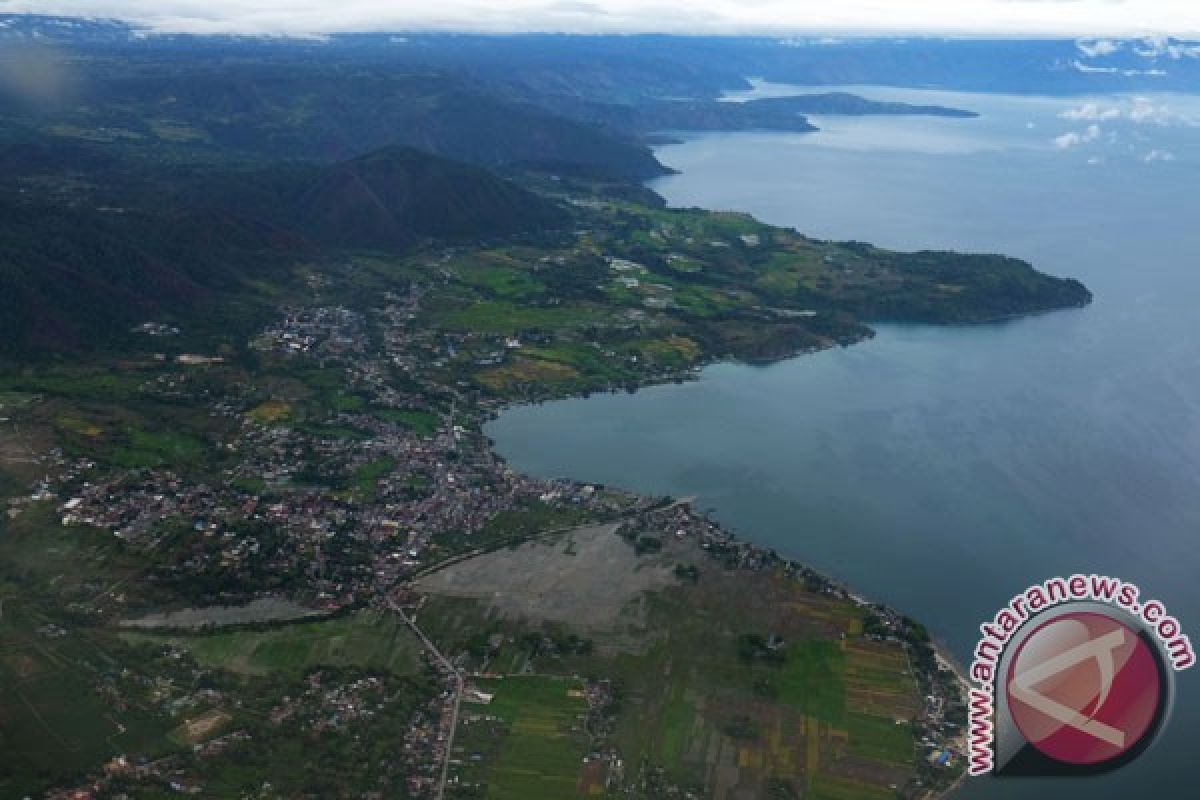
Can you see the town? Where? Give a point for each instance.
(338, 503)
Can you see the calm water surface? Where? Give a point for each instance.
(943, 469)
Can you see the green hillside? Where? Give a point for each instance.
(103, 243)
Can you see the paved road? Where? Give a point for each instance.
(458, 691)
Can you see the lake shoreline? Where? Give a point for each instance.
(944, 658)
(942, 467)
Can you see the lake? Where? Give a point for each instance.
(942, 469)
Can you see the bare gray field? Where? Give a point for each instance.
(587, 577)
(264, 609)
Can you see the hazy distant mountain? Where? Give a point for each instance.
(768, 113)
(44, 28)
(275, 101)
(627, 69)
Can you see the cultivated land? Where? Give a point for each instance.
(728, 682)
(366, 639)
(336, 452)
(324, 459)
(529, 741)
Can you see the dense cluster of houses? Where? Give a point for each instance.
(293, 504)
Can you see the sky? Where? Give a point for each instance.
(967, 17)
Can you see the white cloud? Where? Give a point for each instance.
(1067, 140)
(1089, 69)
(1099, 48)
(1075, 138)
(1097, 21)
(1161, 46)
(1145, 111)
(1091, 112)
(1139, 110)
(1092, 68)
(1158, 155)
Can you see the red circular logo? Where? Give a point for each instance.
(1084, 688)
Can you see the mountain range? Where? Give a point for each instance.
(105, 241)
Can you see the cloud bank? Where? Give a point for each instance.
(1084, 18)
(1139, 110)
(1076, 138)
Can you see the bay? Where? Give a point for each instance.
(943, 469)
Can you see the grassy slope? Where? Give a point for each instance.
(368, 640)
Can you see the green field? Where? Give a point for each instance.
(676, 723)
(584, 359)
(509, 527)
(144, 448)
(540, 757)
(498, 317)
(813, 678)
(498, 278)
(880, 739)
(331, 431)
(830, 787)
(89, 383)
(52, 719)
(366, 639)
(425, 423)
(367, 476)
(692, 704)
(67, 565)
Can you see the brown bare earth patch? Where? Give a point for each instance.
(197, 729)
(22, 665)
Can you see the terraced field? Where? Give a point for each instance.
(539, 748)
(816, 711)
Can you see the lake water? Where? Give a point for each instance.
(942, 469)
